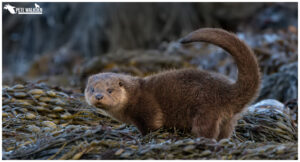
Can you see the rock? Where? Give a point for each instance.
(266, 104)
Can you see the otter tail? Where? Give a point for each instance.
(246, 87)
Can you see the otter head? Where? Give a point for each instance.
(107, 91)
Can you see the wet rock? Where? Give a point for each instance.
(267, 104)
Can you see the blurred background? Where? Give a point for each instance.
(71, 41)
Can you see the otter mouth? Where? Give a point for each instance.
(100, 106)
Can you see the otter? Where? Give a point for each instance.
(205, 103)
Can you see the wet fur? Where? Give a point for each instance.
(208, 104)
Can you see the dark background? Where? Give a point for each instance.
(71, 41)
(97, 28)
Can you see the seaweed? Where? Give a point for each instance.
(57, 125)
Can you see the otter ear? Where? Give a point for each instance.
(121, 83)
(90, 78)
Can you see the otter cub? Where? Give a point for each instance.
(207, 104)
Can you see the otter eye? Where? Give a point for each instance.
(92, 90)
(120, 84)
(110, 90)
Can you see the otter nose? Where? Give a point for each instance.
(99, 96)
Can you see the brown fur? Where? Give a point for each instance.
(206, 103)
